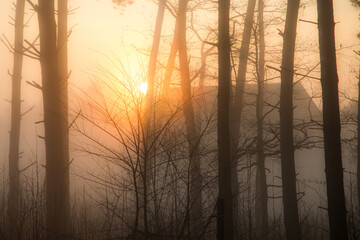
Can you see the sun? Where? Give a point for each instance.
(143, 87)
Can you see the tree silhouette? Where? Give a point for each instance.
(192, 130)
(56, 128)
(14, 153)
(225, 228)
(261, 201)
(148, 162)
(288, 174)
(237, 104)
(331, 118)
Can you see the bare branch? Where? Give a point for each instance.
(34, 84)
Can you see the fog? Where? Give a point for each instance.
(131, 164)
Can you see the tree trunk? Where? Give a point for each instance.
(149, 101)
(171, 62)
(14, 174)
(148, 162)
(261, 211)
(331, 118)
(200, 92)
(225, 228)
(57, 175)
(192, 134)
(291, 215)
(358, 143)
(62, 48)
(241, 76)
(237, 108)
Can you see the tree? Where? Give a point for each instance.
(171, 61)
(62, 47)
(261, 210)
(14, 173)
(55, 120)
(148, 162)
(225, 228)
(152, 62)
(237, 103)
(291, 215)
(331, 119)
(358, 141)
(192, 132)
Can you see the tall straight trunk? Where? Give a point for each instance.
(202, 72)
(62, 48)
(225, 227)
(191, 128)
(14, 174)
(291, 215)
(202, 75)
(171, 61)
(57, 177)
(148, 160)
(358, 143)
(149, 100)
(261, 210)
(237, 107)
(241, 76)
(331, 118)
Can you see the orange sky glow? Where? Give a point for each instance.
(103, 34)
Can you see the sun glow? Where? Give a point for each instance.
(143, 87)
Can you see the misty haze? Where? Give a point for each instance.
(179, 119)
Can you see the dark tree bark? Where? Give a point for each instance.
(237, 107)
(261, 210)
(225, 228)
(14, 174)
(291, 215)
(62, 47)
(331, 118)
(358, 143)
(57, 175)
(195, 203)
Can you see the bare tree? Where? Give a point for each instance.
(57, 173)
(358, 141)
(171, 61)
(148, 162)
(14, 173)
(261, 210)
(331, 119)
(62, 48)
(237, 103)
(195, 198)
(241, 76)
(153, 59)
(225, 228)
(291, 215)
